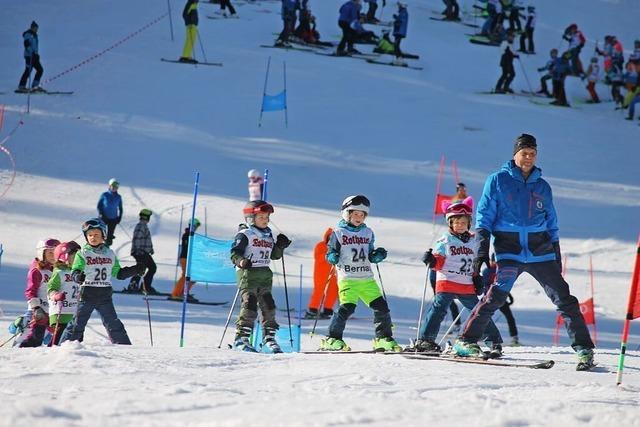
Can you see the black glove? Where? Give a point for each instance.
(478, 284)
(540, 69)
(78, 276)
(282, 241)
(482, 257)
(378, 255)
(509, 299)
(38, 314)
(140, 269)
(126, 272)
(244, 263)
(428, 258)
(556, 249)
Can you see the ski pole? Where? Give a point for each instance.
(286, 298)
(146, 299)
(324, 296)
(446, 334)
(175, 274)
(525, 76)
(55, 330)
(170, 20)
(12, 337)
(384, 294)
(204, 55)
(424, 296)
(226, 325)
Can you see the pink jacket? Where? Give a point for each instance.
(36, 291)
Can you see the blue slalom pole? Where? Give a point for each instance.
(264, 185)
(264, 92)
(189, 255)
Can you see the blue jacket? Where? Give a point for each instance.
(110, 205)
(560, 68)
(349, 12)
(400, 23)
(288, 10)
(30, 43)
(519, 214)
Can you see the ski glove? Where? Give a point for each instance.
(244, 263)
(78, 276)
(39, 314)
(482, 257)
(378, 255)
(59, 296)
(556, 249)
(282, 241)
(428, 258)
(478, 284)
(333, 258)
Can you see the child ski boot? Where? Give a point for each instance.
(270, 345)
(467, 349)
(585, 360)
(386, 344)
(244, 344)
(333, 344)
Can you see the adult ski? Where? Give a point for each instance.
(217, 64)
(483, 41)
(43, 92)
(466, 24)
(127, 292)
(543, 364)
(403, 65)
(364, 56)
(289, 47)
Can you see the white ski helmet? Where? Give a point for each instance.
(45, 244)
(254, 173)
(354, 203)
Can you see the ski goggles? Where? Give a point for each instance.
(264, 208)
(93, 224)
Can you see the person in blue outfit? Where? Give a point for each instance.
(400, 24)
(110, 209)
(488, 278)
(31, 59)
(347, 21)
(516, 208)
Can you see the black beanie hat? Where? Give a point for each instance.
(524, 141)
(34, 24)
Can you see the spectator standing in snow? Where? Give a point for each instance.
(190, 16)
(506, 63)
(31, 59)
(400, 24)
(347, 21)
(110, 209)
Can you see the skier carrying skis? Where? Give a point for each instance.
(324, 277)
(548, 67)
(63, 292)
(31, 59)
(506, 63)
(178, 288)
(592, 75)
(516, 207)
(351, 250)
(110, 209)
(347, 21)
(400, 24)
(527, 34)
(94, 267)
(142, 251)
(37, 315)
(252, 251)
(288, 13)
(190, 16)
(452, 260)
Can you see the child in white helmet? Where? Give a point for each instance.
(256, 182)
(37, 316)
(351, 249)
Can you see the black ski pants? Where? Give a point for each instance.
(508, 74)
(527, 35)
(150, 265)
(348, 36)
(31, 63)
(549, 276)
(227, 4)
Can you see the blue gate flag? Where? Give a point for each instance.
(211, 261)
(274, 102)
(282, 338)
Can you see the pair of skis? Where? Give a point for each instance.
(216, 64)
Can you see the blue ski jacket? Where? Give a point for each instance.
(349, 12)
(288, 10)
(30, 43)
(110, 205)
(400, 23)
(519, 214)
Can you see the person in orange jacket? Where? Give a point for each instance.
(321, 271)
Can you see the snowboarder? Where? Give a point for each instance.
(351, 249)
(488, 278)
(252, 251)
(592, 75)
(527, 34)
(347, 21)
(324, 276)
(110, 209)
(178, 289)
(256, 183)
(94, 267)
(452, 259)
(31, 59)
(400, 24)
(525, 240)
(190, 16)
(548, 67)
(63, 292)
(506, 63)
(37, 315)
(142, 251)
(576, 42)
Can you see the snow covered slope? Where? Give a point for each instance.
(353, 128)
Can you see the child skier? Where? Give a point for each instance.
(548, 75)
(37, 316)
(142, 251)
(400, 24)
(452, 261)
(93, 268)
(178, 288)
(351, 250)
(256, 183)
(592, 74)
(63, 292)
(252, 251)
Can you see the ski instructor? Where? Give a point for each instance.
(516, 207)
